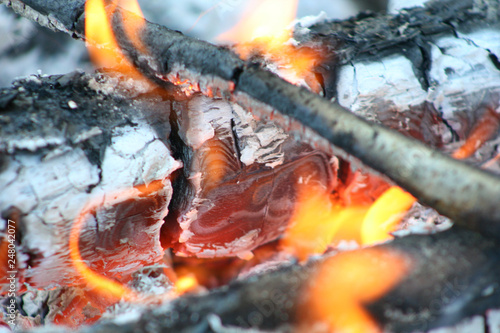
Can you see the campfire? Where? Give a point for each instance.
(311, 175)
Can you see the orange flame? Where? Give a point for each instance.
(320, 221)
(103, 48)
(347, 282)
(96, 280)
(264, 29)
(316, 221)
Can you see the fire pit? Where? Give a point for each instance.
(290, 183)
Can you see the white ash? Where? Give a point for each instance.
(123, 313)
(391, 79)
(493, 320)
(29, 143)
(151, 280)
(395, 6)
(258, 142)
(72, 104)
(422, 220)
(455, 63)
(292, 128)
(51, 191)
(199, 119)
(81, 137)
(216, 326)
(116, 83)
(487, 39)
(301, 25)
(244, 241)
(136, 156)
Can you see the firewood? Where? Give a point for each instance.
(72, 139)
(452, 276)
(455, 189)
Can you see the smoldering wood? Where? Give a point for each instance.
(65, 142)
(62, 151)
(227, 154)
(433, 178)
(453, 276)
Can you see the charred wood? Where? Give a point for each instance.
(65, 142)
(433, 178)
(454, 275)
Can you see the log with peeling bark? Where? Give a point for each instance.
(433, 178)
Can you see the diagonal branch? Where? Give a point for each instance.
(466, 194)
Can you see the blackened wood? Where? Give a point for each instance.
(452, 277)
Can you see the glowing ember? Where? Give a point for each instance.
(185, 284)
(485, 128)
(101, 283)
(4, 267)
(264, 29)
(347, 282)
(103, 48)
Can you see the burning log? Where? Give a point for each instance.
(192, 64)
(240, 180)
(451, 276)
(66, 142)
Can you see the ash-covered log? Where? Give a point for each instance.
(433, 178)
(94, 162)
(73, 139)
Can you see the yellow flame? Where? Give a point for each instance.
(266, 19)
(103, 48)
(385, 214)
(264, 29)
(346, 282)
(320, 221)
(316, 222)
